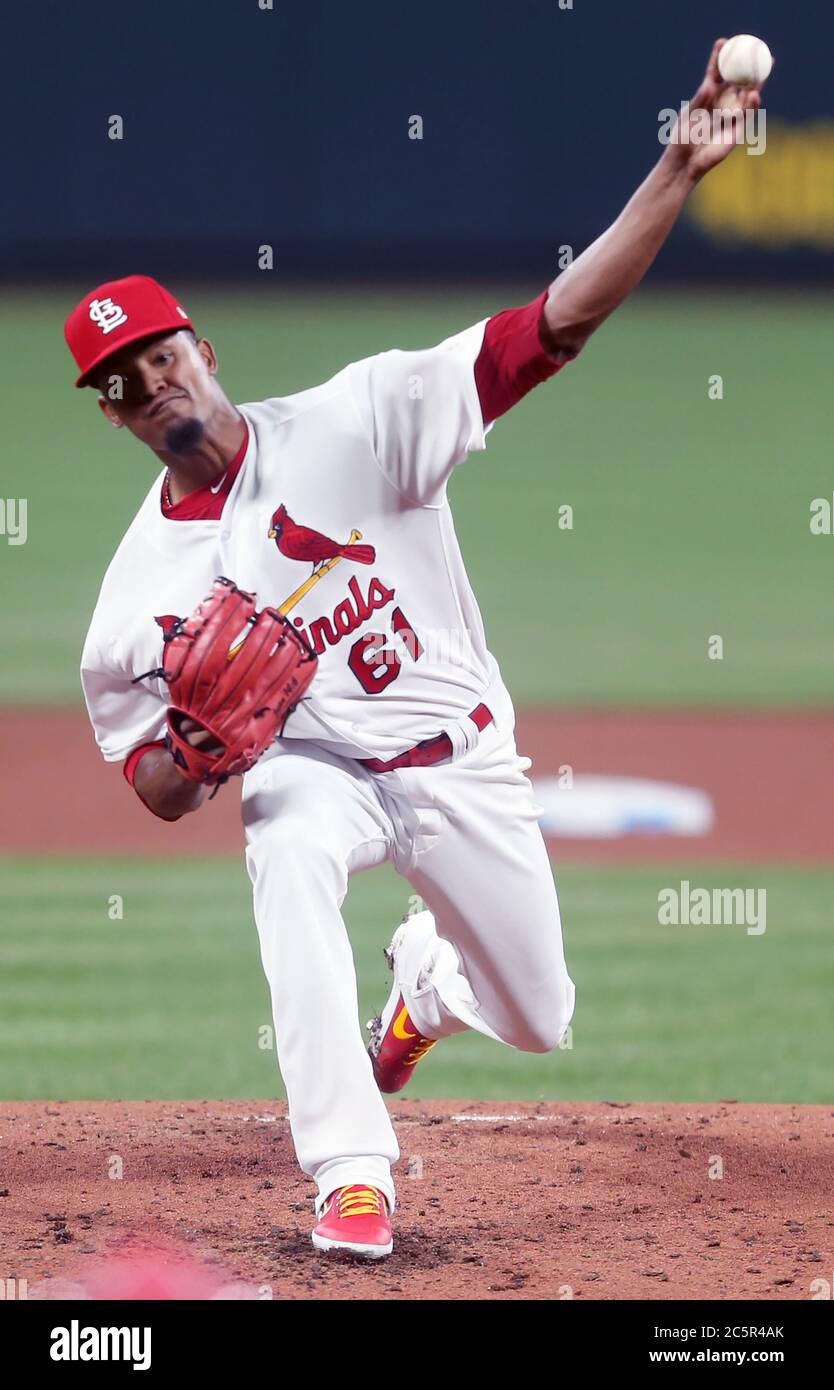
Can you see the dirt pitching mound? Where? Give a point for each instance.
(495, 1200)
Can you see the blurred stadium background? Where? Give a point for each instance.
(247, 127)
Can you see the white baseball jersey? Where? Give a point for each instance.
(363, 461)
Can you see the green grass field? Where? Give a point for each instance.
(168, 1002)
(691, 516)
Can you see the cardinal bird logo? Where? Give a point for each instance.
(303, 543)
(167, 622)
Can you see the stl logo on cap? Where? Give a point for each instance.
(116, 314)
(107, 315)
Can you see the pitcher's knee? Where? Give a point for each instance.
(543, 1028)
(542, 1039)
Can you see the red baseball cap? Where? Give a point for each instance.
(117, 313)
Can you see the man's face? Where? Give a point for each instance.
(162, 389)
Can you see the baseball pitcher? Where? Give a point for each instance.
(290, 607)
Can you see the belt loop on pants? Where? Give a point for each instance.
(430, 751)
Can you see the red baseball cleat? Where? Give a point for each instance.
(396, 1045)
(355, 1219)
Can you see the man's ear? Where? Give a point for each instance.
(107, 409)
(208, 355)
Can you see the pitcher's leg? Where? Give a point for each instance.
(497, 963)
(309, 824)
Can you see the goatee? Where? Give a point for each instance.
(184, 436)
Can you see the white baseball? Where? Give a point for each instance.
(745, 60)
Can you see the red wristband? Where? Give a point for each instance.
(133, 759)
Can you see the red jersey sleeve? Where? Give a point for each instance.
(513, 358)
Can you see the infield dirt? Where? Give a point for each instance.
(603, 1201)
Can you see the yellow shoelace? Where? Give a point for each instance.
(419, 1051)
(361, 1201)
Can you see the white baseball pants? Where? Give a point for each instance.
(464, 833)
